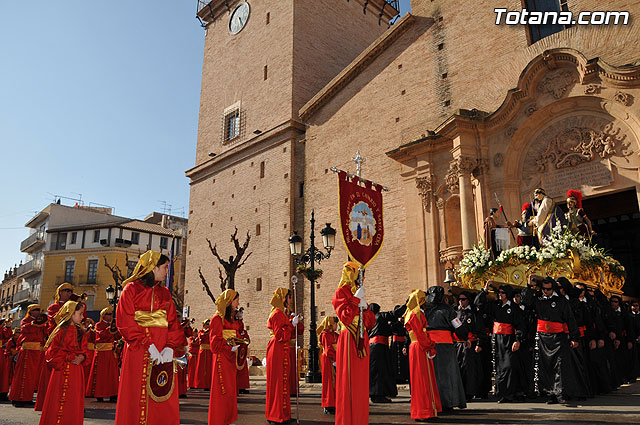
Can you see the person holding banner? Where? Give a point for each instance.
(328, 340)
(278, 406)
(223, 339)
(147, 320)
(352, 354)
(425, 398)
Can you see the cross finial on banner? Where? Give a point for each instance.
(359, 160)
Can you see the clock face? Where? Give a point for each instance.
(239, 18)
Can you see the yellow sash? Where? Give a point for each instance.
(32, 346)
(104, 346)
(205, 347)
(152, 319)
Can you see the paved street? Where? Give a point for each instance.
(622, 407)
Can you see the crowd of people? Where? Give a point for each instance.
(561, 340)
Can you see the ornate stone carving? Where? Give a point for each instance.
(592, 89)
(558, 82)
(623, 98)
(452, 254)
(425, 190)
(577, 145)
(458, 167)
(498, 160)
(510, 131)
(440, 203)
(530, 109)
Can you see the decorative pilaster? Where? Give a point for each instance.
(464, 166)
(425, 190)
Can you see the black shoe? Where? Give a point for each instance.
(561, 400)
(505, 400)
(182, 396)
(99, 399)
(243, 391)
(552, 400)
(113, 399)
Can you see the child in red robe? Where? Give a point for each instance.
(278, 408)
(329, 342)
(352, 354)
(203, 367)
(33, 331)
(146, 319)
(223, 401)
(425, 399)
(104, 375)
(65, 352)
(194, 349)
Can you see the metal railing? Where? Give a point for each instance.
(33, 239)
(32, 266)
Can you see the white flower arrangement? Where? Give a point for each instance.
(475, 261)
(556, 247)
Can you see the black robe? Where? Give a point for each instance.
(622, 354)
(445, 362)
(382, 381)
(558, 370)
(598, 366)
(634, 322)
(509, 377)
(470, 362)
(400, 360)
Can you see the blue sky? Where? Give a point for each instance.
(99, 99)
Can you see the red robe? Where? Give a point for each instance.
(5, 360)
(194, 349)
(278, 408)
(103, 378)
(205, 362)
(425, 398)
(64, 402)
(30, 359)
(135, 407)
(243, 374)
(180, 352)
(223, 401)
(11, 351)
(91, 347)
(295, 378)
(352, 372)
(45, 372)
(328, 341)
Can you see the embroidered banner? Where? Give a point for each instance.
(360, 218)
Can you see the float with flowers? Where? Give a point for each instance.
(563, 254)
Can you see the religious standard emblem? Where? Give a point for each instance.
(553, 304)
(469, 320)
(360, 217)
(508, 311)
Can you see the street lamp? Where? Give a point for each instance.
(310, 257)
(113, 294)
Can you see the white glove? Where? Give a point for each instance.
(334, 364)
(167, 355)
(154, 354)
(234, 348)
(295, 321)
(363, 303)
(360, 292)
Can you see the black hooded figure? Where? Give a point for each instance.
(556, 374)
(469, 350)
(441, 322)
(510, 382)
(400, 350)
(382, 380)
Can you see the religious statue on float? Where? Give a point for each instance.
(546, 215)
(577, 220)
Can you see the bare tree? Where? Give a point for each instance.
(234, 263)
(118, 275)
(206, 285)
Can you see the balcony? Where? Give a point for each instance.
(22, 296)
(33, 242)
(30, 268)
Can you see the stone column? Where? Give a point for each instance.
(468, 222)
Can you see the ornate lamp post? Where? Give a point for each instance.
(310, 257)
(113, 294)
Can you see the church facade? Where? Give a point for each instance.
(451, 112)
